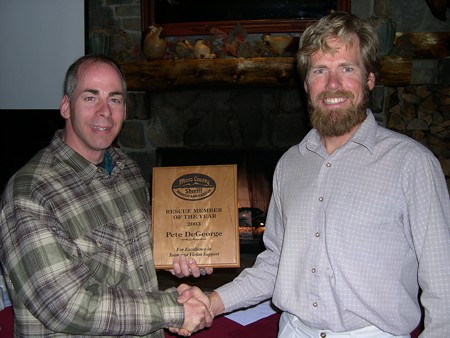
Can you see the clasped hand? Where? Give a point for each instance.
(197, 314)
(197, 310)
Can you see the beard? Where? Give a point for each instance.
(337, 122)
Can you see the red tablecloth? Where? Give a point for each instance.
(6, 322)
(222, 328)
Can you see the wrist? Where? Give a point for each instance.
(216, 306)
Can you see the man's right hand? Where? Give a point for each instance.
(212, 300)
(197, 314)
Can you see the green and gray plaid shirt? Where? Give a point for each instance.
(75, 244)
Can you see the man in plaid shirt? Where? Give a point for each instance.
(75, 237)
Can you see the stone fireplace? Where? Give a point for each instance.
(264, 122)
(248, 127)
(264, 119)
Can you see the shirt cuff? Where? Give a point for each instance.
(172, 312)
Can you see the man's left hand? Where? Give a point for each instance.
(183, 267)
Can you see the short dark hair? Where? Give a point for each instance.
(71, 78)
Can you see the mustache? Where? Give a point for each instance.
(333, 94)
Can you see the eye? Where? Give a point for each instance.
(319, 71)
(89, 98)
(347, 69)
(116, 99)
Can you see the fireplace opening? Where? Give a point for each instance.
(255, 171)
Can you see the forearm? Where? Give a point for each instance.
(114, 302)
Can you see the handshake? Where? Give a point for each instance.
(199, 308)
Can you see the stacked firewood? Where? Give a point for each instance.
(423, 113)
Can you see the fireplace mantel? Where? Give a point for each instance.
(166, 74)
(396, 69)
(278, 71)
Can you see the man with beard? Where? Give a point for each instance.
(358, 220)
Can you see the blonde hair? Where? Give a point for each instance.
(343, 26)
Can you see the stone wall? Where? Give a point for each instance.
(216, 119)
(266, 117)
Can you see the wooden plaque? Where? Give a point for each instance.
(195, 213)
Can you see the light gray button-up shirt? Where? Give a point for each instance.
(351, 235)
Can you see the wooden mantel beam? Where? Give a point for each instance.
(396, 69)
(165, 74)
(279, 71)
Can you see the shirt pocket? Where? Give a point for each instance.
(104, 254)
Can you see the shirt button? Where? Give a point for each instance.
(328, 164)
(141, 267)
(317, 234)
(313, 270)
(315, 304)
(323, 335)
(99, 170)
(320, 199)
(99, 245)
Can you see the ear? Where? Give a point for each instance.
(305, 85)
(64, 107)
(371, 81)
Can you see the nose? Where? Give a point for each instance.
(104, 109)
(333, 81)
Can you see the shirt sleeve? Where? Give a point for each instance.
(428, 215)
(62, 289)
(256, 284)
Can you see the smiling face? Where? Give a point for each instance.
(338, 88)
(96, 113)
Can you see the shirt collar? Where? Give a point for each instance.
(365, 136)
(85, 169)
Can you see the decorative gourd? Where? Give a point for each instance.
(202, 50)
(154, 46)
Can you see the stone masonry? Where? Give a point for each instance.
(259, 118)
